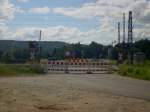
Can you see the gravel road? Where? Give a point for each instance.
(74, 93)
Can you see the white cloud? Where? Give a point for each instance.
(107, 10)
(7, 13)
(110, 11)
(40, 10)
(62, 33)
(7, 10)
(141, 33)
(3, 32)
(90, 10)
(23, 0)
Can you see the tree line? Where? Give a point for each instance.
(58, 50)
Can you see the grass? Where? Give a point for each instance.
(136, 71)
(19, 70)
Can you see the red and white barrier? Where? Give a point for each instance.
(78, 65)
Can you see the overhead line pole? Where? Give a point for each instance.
(40, 37)
(124, 27)
(118, 32)
(124, 37)
(130, 38)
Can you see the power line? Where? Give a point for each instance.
(119, 32)
(40, 38)
(124, 26)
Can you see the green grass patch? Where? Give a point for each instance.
(20, 70)
(136, 71)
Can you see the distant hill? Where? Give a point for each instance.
(11, 51)
(47, 46)
(18, 51)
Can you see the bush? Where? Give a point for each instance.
(136, 71)
(13, 70)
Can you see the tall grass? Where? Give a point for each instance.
(19, 70)
(141, 71)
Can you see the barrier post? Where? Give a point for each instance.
(66, 66)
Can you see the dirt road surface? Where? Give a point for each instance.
(74, 93)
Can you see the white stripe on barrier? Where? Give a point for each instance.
(79, 66)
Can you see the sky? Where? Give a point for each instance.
(72, 20)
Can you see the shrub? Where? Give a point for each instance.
(13, 70)
(136, 71)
